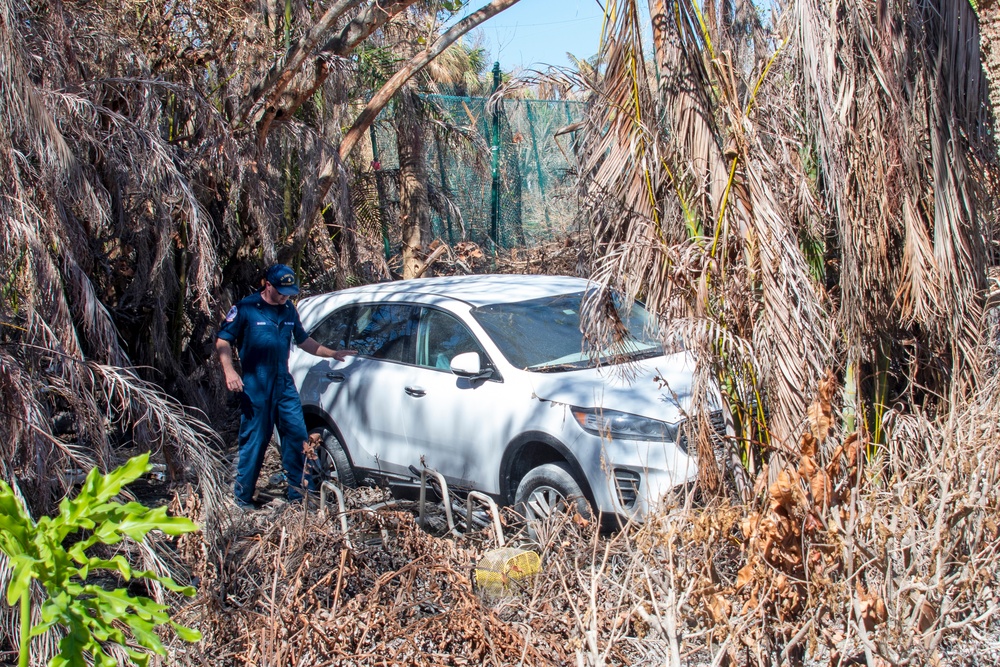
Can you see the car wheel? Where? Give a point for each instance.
(333, 463)
(547, 490)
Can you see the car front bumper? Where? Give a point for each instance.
(630, 478)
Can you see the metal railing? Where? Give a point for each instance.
(341, 508)
(476, 497)
(491, 507)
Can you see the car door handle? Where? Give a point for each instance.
(336, 377)
(415, 391)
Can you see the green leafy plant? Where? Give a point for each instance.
(53, 550)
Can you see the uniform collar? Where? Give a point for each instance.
(257, 299)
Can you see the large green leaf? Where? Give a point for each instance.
(117, 563)
(23, 568)
(71, 648)
(104, 487)
(118, 600)
(186, 633)
(91, 614)
(15, 525)
(137, 526)
(139, 658)
(109, 532)
(143, 633)
(102, 659)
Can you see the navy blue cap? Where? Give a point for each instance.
(283, 279)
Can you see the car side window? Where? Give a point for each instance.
(385, 331)
(334, 331)
(440, 337)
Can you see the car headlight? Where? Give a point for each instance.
(624, 426)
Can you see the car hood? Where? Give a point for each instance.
(658, 388)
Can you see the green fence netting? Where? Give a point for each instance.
(526, 196)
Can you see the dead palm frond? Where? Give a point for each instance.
(859, 179)
(900, 128)
(678, 186)
(100, 218)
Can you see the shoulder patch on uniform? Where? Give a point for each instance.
(231, 315)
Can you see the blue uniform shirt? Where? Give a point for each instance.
(263, 335)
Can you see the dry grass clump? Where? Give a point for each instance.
(871, 554)
(567, 256)
(289, 590)
(854, 552)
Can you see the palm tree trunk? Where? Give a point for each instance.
(414, 209)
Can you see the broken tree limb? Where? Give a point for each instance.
(440, 250)
(392, 86)
(356, 31)
(329, 167)
(277, 79)
(363, 25)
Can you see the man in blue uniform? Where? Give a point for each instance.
(262, 327)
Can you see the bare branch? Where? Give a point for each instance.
(280, 75)
(393, 85)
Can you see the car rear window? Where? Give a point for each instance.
(381, 331)
(385, 331)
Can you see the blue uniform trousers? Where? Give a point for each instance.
(267, 402)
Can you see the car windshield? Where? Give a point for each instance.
(544, 334)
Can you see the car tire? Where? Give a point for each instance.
(333, 462)
(547, 489)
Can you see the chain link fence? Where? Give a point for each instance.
(499, 175)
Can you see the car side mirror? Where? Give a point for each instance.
(467, 365)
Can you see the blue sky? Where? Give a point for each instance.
(535, 33)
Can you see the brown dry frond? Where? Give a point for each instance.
(699, 232)
(832, 563)
(901, 132)
(96, 209)
(801, 206)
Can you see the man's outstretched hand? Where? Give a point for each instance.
(341, 355)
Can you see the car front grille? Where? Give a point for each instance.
(627, 483)
(718, 421)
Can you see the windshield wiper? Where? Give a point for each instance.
(555, 368)
(646, 354)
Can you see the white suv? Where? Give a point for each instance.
(486, 379)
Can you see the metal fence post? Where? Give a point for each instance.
(495, 162)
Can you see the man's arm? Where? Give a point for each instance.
(233, 380)
(312, 346)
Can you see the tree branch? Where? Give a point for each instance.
(328, 170)
(393, 85)
(280, 75)
(362, 26)
(356, 31)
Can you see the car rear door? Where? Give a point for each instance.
(363, 395)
